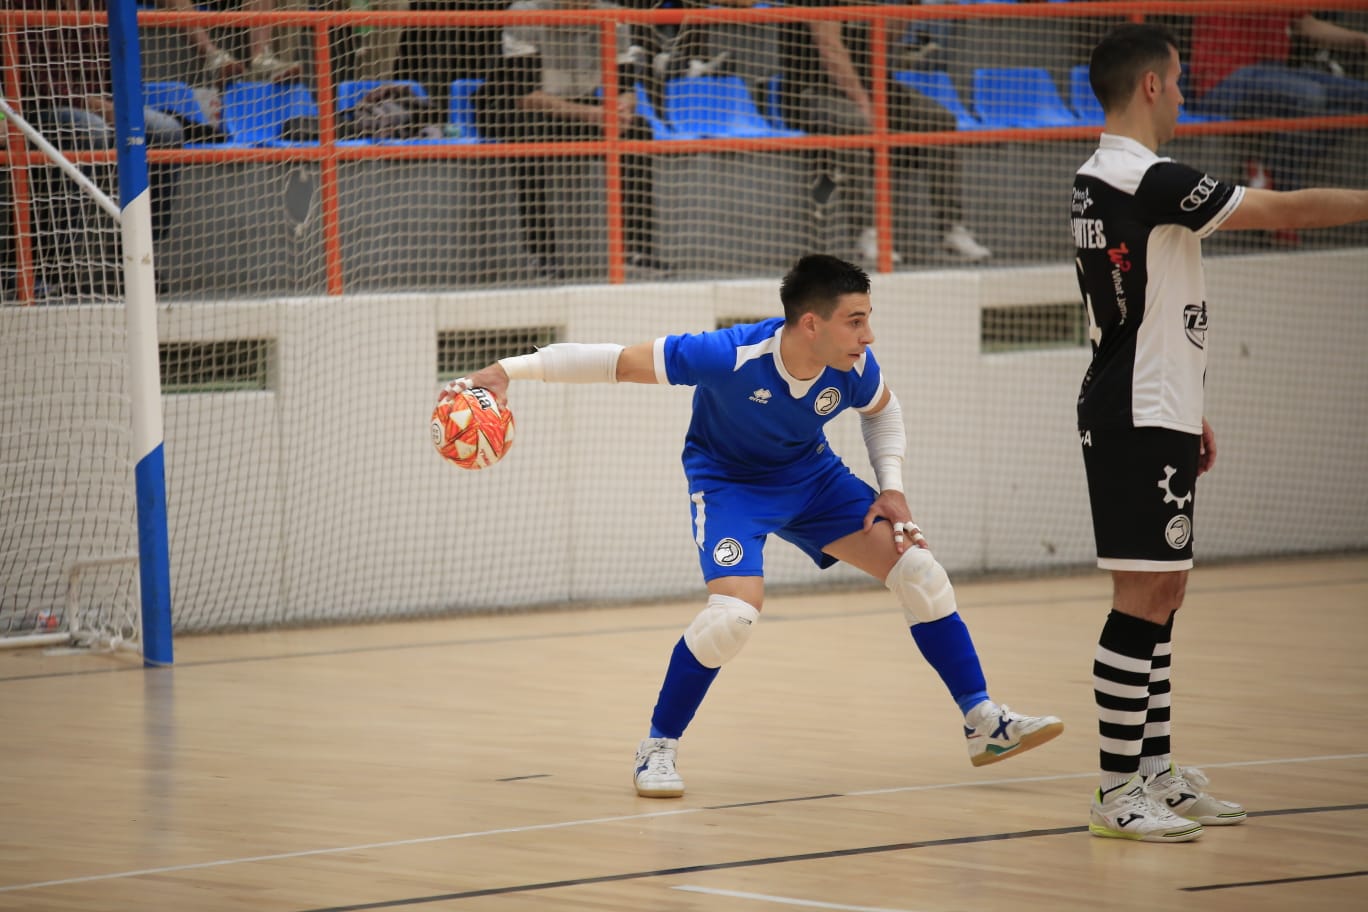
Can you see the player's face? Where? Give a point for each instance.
(842, 340)
(1170, 98)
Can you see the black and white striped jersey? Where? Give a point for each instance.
(1138, 222)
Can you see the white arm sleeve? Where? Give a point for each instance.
(566, 362)
(885, 437)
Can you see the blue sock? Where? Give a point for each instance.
(686, 684)
(945, 643)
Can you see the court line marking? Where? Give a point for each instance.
(594, 821)
(1275, 882)
(786, 900)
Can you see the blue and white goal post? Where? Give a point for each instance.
(144, 377)
(84, 552)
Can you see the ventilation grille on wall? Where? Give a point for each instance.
(1032, 326)
(229, 365)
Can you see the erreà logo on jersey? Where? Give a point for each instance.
(827, 400)
(1195, 323)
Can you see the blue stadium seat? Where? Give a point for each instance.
(174, 98)
(1081, 98)
(936, 85)
(774, 112)
(715, 107)
(254, 112)
(1019, 97)
(349, 93)
(462, 109)
(659, 128)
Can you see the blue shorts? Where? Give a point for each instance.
(731, 520)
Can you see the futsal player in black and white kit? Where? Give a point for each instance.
(1138, 221)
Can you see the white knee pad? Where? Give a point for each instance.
(922, 586)
(720, 630)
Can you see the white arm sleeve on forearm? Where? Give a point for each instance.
(885, 437)
(566, 362)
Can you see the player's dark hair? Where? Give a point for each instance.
(1123, 57)
(816, 282)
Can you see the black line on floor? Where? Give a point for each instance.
(1270, 883)
(779, 859)
(697, 869)
(521, 778)
(746, 804)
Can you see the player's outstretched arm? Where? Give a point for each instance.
(564, 362)
(1316, 207)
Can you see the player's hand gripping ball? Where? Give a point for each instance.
(469, 429)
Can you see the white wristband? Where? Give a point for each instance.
(566, 362)
(888, 472)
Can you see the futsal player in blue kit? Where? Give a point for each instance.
(758, 463)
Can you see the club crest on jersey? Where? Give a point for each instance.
(827, 400)
(1195, 323)
(1178, 531)
(727, 552)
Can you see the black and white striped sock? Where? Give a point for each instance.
(1121, 686)
(1155, 755)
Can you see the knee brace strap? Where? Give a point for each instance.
(720, 630)
(922, 586)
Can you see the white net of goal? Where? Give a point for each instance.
(355, 203)
(68, 537)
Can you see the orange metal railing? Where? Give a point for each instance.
(17, 160)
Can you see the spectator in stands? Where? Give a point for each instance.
(376, 50)
(1240, 70)
(65, 90)
(546, 89)
(220, 66)
(826, 89)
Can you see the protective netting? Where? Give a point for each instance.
(354, 203)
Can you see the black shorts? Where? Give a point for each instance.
(1142, 483)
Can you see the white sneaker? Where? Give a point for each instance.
(1128, 813)
(267, 67)
(995, 733)
(960, 241)
(869, 247)
(656, 776)
(1182, 791)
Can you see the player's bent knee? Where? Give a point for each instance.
(720, 630)
(922, 587)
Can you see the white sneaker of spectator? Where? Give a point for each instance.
(960, 241)
(869, 247)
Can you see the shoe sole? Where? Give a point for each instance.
(1223, 820)
(661, 793)
(1034, 739)
(1186, 835)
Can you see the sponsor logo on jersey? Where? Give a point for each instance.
(1195, 323)
(827, 400)
(1178, 531)
(1088, 234)
(1199, 194)
(1166, 487)
(761, 396)
(727, 552)
(1082, 199)
(1120, 257)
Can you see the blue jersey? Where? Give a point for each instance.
(752, 420)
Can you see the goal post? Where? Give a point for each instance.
(84, 554)
(140, 308)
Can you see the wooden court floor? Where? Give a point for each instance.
(483, 763)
